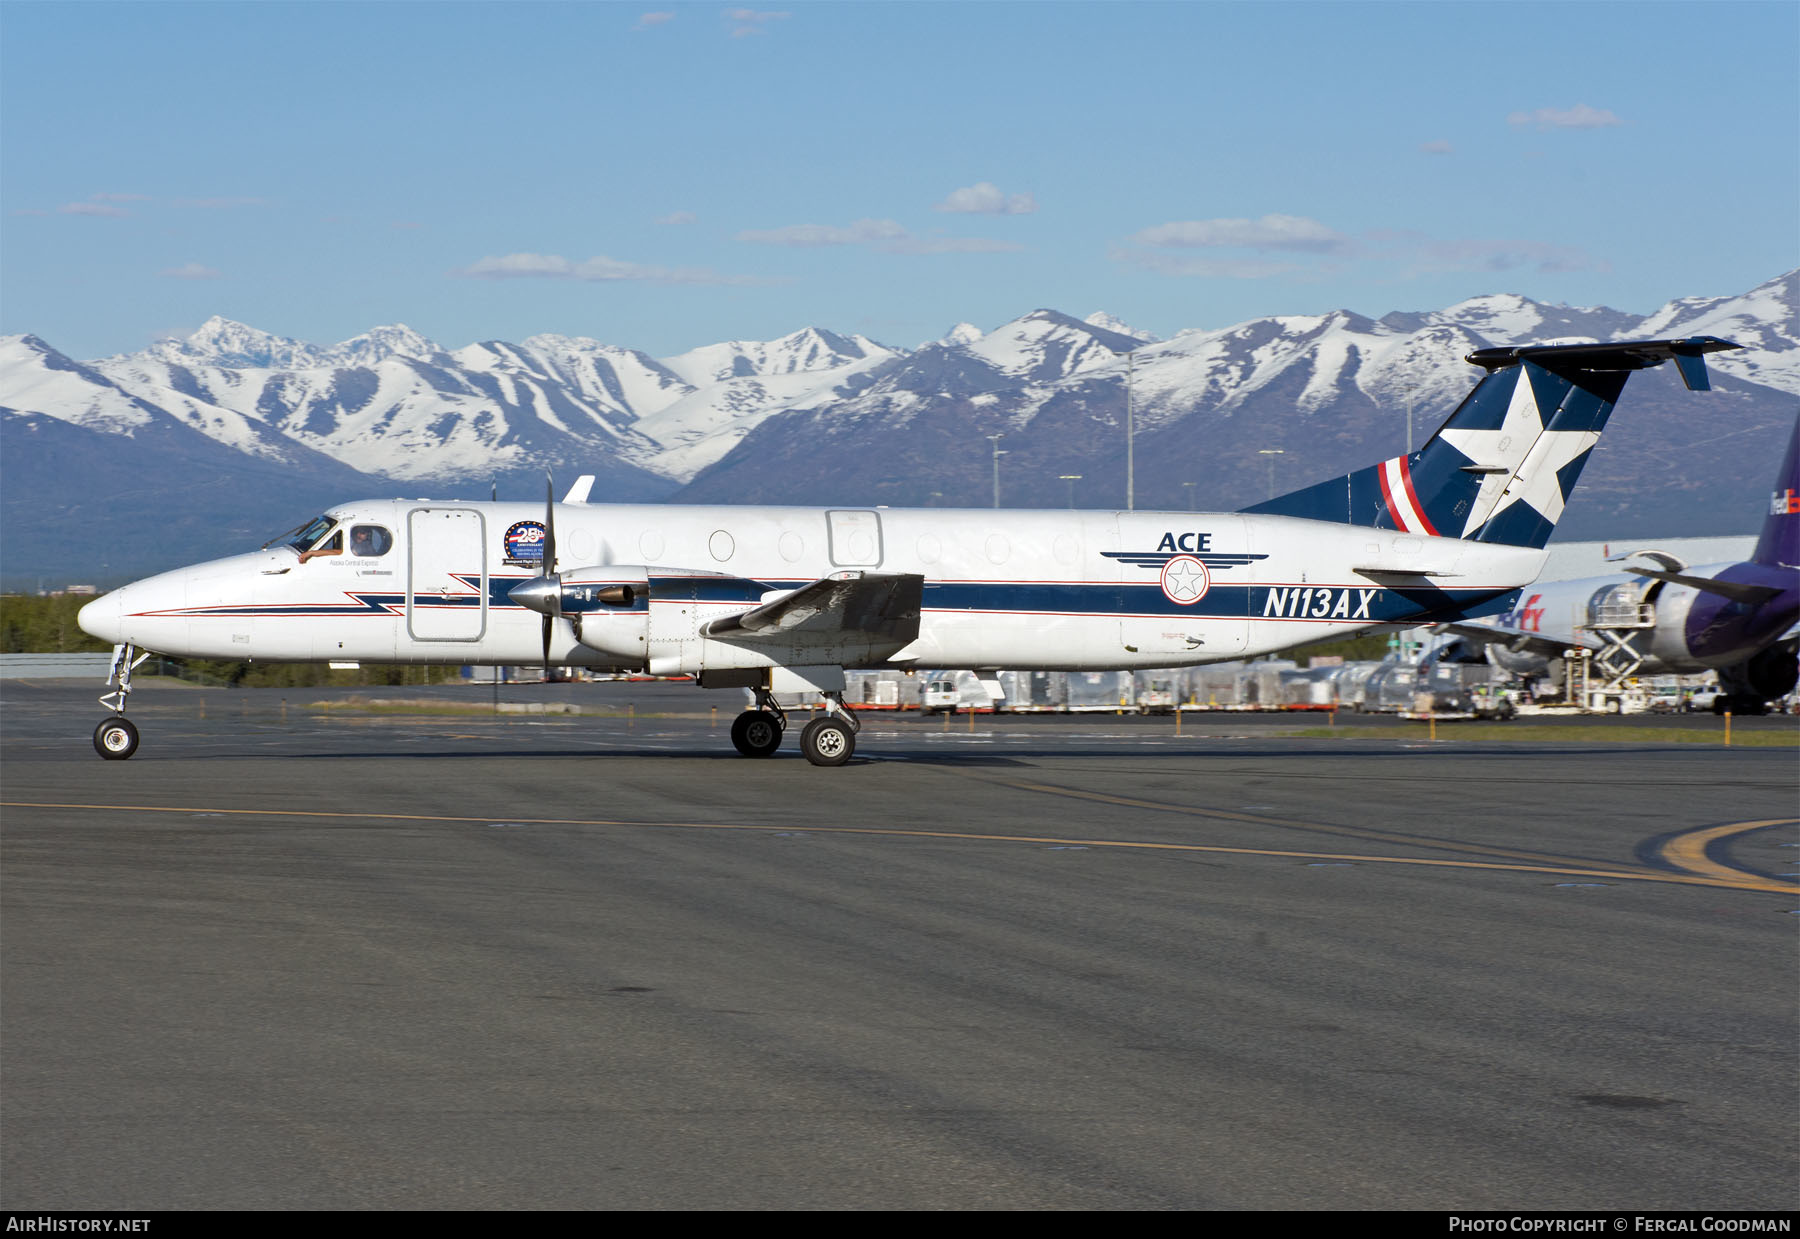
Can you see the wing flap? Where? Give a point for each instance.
(884, 606)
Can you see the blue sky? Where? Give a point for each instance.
(668, 175)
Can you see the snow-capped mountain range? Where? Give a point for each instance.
(816, 416)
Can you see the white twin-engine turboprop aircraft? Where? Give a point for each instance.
(783, 600)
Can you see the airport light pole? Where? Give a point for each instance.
(1071, 479)
(997, 455)
(1189, 487)
(1130, 463)
(1271, 453)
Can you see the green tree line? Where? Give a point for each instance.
(30, 624)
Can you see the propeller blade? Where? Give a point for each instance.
(549, 563)
(549, 525)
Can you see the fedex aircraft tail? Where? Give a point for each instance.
(1779, 544)
(1501, 468)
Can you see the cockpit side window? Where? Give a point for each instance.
(302, 536)
(333, 545)
(370, 541)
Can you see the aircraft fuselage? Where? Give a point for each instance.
(1028, 590)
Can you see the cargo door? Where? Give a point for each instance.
(1186, 587)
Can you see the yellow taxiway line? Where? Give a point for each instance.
(1726, 878)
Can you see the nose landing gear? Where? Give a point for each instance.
(117, 738)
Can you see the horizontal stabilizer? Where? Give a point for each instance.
(1689, 356)
(1737, 591)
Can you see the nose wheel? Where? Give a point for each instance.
(116, 739)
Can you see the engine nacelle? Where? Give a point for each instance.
(1766, 676)
(609, 608)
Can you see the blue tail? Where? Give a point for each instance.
(1501, 468)
(1779, 544)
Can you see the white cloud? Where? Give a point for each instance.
(1316, 251)
(677, 217)
(884, 235)
(599, 269)
(1581, 116)
(99, 209)
(985, 198)
(220, 204)
(949, 245)
(648, 20)
(862, 232)
(752, 21)
(1482, 255)
(1271, 232)
(1163, 263)
(1437, 147)
(119, 197)
(190, 271)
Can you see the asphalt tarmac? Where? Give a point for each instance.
(298, 957)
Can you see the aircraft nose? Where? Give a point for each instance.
(541, 594)
(101, 618)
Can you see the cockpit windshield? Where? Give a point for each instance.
(302, 537)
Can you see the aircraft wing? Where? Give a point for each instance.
(1515, 639)
(881, 606)
(1737, 591)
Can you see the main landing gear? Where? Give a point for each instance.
(117, 738)
(829, 740)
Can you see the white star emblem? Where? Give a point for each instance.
(1185, 580)
(1504, 447)
(1531, 456)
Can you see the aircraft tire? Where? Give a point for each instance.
(827, 742)
(116, 739)
(756, 733)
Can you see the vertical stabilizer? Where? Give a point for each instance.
(1780, 540)
(1501, 468)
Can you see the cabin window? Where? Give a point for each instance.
(370, 541)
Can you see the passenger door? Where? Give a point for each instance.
(446, 581)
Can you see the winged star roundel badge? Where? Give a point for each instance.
(1185, 580)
